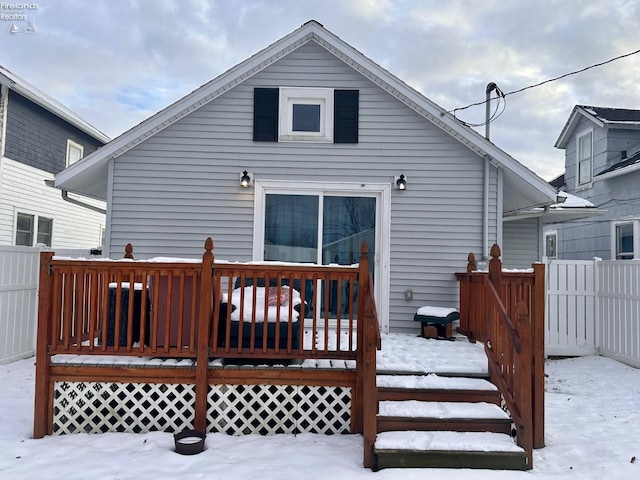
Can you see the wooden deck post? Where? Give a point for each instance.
(202, 352)
(358, 395)
(366, 365)
(538, 328)
(43, 401)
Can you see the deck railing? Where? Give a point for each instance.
(505, 311)
(204, 309)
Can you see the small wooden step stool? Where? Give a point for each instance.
(436, 322)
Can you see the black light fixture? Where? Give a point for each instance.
(245, 179)
(400, 182)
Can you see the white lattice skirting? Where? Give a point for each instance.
(95, 407)
(269, 409)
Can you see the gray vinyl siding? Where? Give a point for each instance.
(619, 196)
(182, 185)
(38, 138)
(521, 243)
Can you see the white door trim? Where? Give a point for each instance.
(381, 191)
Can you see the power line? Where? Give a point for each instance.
(549, 80)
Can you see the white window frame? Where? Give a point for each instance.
(635, 222)
(586, 184)
(34, 232)
(71, 146)
(550, 233)
(37, 233)
(308, 96)
(381, 191)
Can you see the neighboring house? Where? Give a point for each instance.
(602, 166)
(39, 137)
(324, 136)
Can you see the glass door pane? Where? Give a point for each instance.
(346, 223)
(291, 228)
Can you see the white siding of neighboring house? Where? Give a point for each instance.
(23, 190)
(182, 185)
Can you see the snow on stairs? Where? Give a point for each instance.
(443, 422)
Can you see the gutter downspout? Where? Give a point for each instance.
(67, 198)
(485, 210)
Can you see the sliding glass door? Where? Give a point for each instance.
(320, 228)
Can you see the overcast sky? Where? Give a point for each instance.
(117, 62)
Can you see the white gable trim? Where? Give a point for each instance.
(307, 32)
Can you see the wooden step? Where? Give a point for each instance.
(411, 449)
(436, 388)
(442, 416)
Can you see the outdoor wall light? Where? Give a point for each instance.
(246, 179)
(400, 183)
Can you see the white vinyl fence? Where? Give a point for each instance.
(593, 307)
(19, 274)
(18, 301)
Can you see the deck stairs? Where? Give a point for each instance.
(444, 420)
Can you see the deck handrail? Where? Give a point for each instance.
(91, 307)
(495, 299)
(505, 310)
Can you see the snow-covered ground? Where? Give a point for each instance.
(592, 432)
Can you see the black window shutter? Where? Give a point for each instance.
(345, 116)
(265, 114)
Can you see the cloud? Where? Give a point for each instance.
(116, 62)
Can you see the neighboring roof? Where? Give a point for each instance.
(558, 182)
(523, 188)
(623, 118)
(625, 166)
(30, 92)
(571, 208)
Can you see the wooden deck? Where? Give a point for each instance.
(273, 348)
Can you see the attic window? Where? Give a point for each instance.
(306, 115)
(320, 115)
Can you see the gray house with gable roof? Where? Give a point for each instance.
(324, 138)
(602, 165)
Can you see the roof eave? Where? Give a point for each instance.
(616, 173)
(33, 94)
(552, 215)
(571, 123)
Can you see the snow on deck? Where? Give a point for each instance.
(401, 353)
(441, 410)
(433, 381)
(404, 353)
(446, 441)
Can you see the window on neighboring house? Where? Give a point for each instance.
(305, 115)
(74, 152)
(26, 230)
(625, 240)
(585, 159)
(551, 245)
(45, 226)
